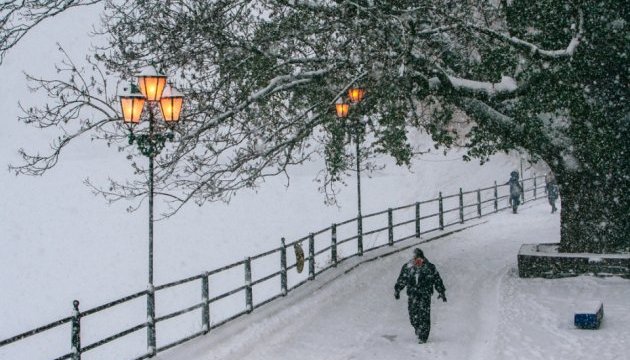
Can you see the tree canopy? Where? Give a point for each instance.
(261, 79)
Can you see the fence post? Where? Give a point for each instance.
(523, 192)
(75, 337)
(205, 298)
(333, 245)
(479, 202)
(461, 206)
(151, 342)
(390, 226)
(283, 268)
(311, 256)
(417, 219)
(360, 235)
(441, 209)
(249, 298)
(496, 197)
(534, 186)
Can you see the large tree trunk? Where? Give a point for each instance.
(594, 215)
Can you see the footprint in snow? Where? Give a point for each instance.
(391, 338)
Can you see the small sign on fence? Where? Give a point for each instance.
(299, 257)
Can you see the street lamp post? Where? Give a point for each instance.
(355, 95)
(152, 89)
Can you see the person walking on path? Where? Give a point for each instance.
(516, 190)
(420, 277)
(552, 191)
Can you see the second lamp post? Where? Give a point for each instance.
(152, 88)
(355, 95)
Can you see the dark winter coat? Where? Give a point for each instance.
(419, 280)
(515, 188)
(552, 190)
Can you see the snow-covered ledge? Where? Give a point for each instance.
(544, 260)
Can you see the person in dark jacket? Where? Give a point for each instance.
(420, 277)
(516, 190)
(552, 191)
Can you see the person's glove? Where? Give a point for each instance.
(397, 295)
(442, 296)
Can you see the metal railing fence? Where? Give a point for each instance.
(325, 249)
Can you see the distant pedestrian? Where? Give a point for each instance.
(552, 191)
(420, 277)
(516, 190)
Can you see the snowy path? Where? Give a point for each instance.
(490, 314)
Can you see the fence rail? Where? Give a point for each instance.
(326, 248)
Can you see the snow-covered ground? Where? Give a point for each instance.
(60, 243)
(491, 313)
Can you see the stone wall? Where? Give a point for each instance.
(543, 260)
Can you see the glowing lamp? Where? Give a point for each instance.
(171, 104)
(131, 104)
(151, 83)
(342, 109)
(356, 94)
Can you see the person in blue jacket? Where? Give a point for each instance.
(420, 277)
(552, 191)
(516, 190)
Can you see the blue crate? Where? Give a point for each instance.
(590, 315)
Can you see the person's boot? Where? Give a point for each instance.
(422, 338)
(417, 332)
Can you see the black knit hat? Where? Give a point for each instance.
(417, 253)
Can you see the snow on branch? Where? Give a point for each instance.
(283, 79)
(486, 114)
(522, 44)
(309, 4)
(507, 85)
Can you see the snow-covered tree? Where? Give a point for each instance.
(261, 77)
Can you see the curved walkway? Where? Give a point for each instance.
(490, 313)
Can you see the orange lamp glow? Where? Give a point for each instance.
(171, 104)
(356, 94)
(342, 109)
(131, 104)
(151, 84)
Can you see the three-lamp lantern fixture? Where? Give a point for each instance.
(152, 87)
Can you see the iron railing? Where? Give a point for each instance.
(326, 249)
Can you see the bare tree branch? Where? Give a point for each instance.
(18, 17)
